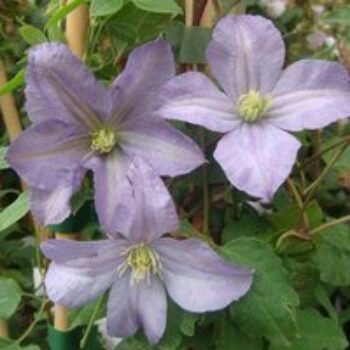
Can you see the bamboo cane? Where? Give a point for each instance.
(4, 333)
(8, 108)
(13, 126)
(77, 25)
(208, 16)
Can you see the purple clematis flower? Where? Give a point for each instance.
(259, 101)
(78, 124)
(140, 266)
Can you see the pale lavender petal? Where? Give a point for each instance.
(139, 305)
(80, 271)
(148, 67)
(193, 98)
(147, 210)
(312, 75)
(246, 52)
(196, 278)
(169, 151)
(109, 183)
(88, 254)
(47, 154)
(60, 87)
(309, 95)
(53, 206)
(122, 314)
(257, 158)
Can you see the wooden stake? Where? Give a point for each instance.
(4, 332)
(189, 12)
(61, 318)
(77, 25)
(9, 109)
(209, 15)
(13, 126)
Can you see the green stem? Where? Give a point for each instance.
(325, 150)
(330, 224)
(304, 218)
(287, 234)
(30, 295)
(316, 150)
(32, 325)
(90, 324)
(309, 192)
(295, 193)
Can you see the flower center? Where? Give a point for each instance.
(103, 140)
(142, 260)
(252, 106)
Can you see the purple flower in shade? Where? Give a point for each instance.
(139, 265)
(259, 101)
(78, 124)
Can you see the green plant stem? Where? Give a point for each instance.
(32, 325)
(330, 224)
(325, 150)
(91, 322)
(295, 193)
(290, 233)
(316, 150)
(299, 201)
(31, 296)
(309, 192)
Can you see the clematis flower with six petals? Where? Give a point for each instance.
(80, 125)
(259, 102)
(139, 265)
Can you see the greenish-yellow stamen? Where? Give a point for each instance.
(252, 106)
(103, 140)
(142, 260)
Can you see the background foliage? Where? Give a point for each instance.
(300, 299)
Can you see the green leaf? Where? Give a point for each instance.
(163, 6)
(7, 344)
(55, 33)
(333, 256)
(188, 323)
(63, 11)
(289, 217)
(316, 333)
(324, 300)
(303, 275)
(247, 226)
(190, 43)
(14, 83)
(15, 211)
(340, 16)
(231, 338)
(104, 8)
(134, 26)
(32, 35)
(3, 163)
(268, 310)
(10, 297)
(133, 343)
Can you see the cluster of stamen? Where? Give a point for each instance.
(252, 106)
(142, 260)
(103, 140)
